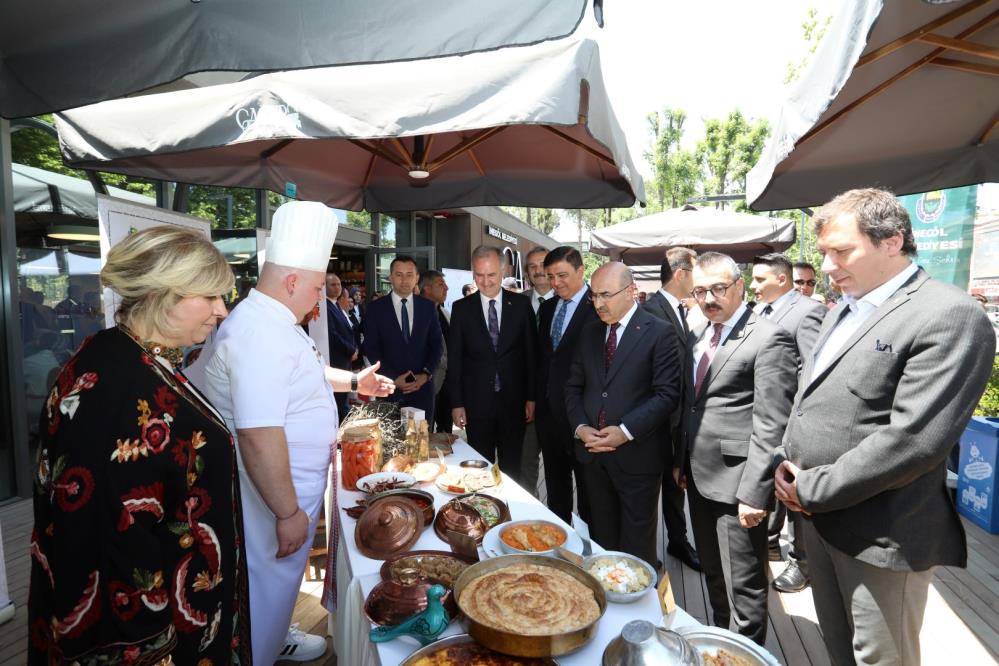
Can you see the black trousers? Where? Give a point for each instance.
(442, 410)
(498, 438)
(673, 500)
(624, 507)
(775, 523)
(341, 405)
(734, 560)
(557, 440)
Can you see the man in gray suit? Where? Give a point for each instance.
(744, 379)
(778, 301)
(676, 278)
(897, 370)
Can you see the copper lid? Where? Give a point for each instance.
(462, 518)
(421, 498)
(390, 602)
(391, 526)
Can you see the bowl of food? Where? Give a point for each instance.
(439, 566)
(624, 578)
(463, 649)
(379, 482)
(531, 537)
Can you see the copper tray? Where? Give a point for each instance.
(457, 516)
(386, 570)
(465, 639)
(544, 645)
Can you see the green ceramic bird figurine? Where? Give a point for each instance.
(426, 626)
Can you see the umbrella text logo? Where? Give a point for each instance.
(267, 116)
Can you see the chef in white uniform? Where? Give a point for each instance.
(268, 380)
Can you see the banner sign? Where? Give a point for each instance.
(943, 223)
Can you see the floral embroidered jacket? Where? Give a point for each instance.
(136, 552)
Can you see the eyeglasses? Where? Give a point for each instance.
(717, 290)
(810, 283)
(605, 296)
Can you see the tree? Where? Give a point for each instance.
(814, 30)
(543, 219)
(676, 172)
(728, 151)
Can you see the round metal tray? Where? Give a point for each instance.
(709, 639)
(465, 639)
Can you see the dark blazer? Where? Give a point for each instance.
(802, 318)
(658, 306)
(640, 390)
(473, 363)
(871, 432)
(341, 337)
(553, 369)
(383, 342)
(737, 421)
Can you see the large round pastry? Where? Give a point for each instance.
(528, 599)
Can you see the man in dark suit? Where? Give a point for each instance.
(402, 332)
(539, 292)
(745, 371)
(778, 301)
(493, 349)
(340, 335)
(434, 289)
(896, 373)
(676, 278)
(560, 321)
(623, 386)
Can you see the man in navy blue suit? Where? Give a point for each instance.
(343, 347)
(402, 331)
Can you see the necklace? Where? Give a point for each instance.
(173, 355)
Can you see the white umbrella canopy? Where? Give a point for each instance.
(643, 242)
(60, 54)
(902, 94)
(40, 191)
(527, 126)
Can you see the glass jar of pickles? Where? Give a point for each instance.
(360, 452)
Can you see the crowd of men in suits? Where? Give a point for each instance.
(837, 421)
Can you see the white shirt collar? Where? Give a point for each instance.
(485, 299)
(578, 296)
(535, 295)
(673, 300)
(623, 322)
(728, 325)
(782, 301)
(876, 297)
(397, 299)
(272, 304)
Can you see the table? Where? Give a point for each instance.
(358, 574)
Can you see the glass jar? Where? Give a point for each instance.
(360, 452)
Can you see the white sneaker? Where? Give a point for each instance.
(300, 646)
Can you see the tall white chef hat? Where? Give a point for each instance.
(302, 235)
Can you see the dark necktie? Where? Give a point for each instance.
(559, 321)
(353, 319)
(682, 309)
(767, 311)
(405, 323)
(706, 358)
(494, 336)
(610, 348)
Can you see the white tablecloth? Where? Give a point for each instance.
(357, 575)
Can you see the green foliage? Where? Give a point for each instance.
(543, 219)
(677, 173)
(989, 404)
(814, 30)
(729, 149)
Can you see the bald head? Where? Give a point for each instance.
(613, 291)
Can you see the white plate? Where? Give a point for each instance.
(492, 548)
(710, 639)
(442, 482)
(402, 480)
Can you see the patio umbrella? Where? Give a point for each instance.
(527, 126)
(902, 94)
(40, 191)
(643, 242)
(61, 54)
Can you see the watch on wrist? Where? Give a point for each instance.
(353, 382)
(428, 374)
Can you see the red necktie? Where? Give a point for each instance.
(706, 358)
(610, 347)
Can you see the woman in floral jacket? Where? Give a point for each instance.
(136, 553)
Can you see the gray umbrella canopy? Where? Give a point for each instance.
(60, 54)
(642, 242)
(902, 94)
(527, 126)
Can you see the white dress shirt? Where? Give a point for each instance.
(622, 325)
(775, 307)
(536, 299)
(397, 305)
(485, 307)
(704, 341)
(859, 310)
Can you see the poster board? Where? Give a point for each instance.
(943, 225)
(455, 278)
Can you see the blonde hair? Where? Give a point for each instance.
(153, 269)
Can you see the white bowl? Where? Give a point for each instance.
(632, 561)
(510, 550)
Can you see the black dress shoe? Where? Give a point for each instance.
(794, 578)
(685, 553)
(774, 553)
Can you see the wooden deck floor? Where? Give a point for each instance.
(961, 624)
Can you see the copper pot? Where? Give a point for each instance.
(543, 645)
(459, 517)
(421, 498)
(390, 602)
